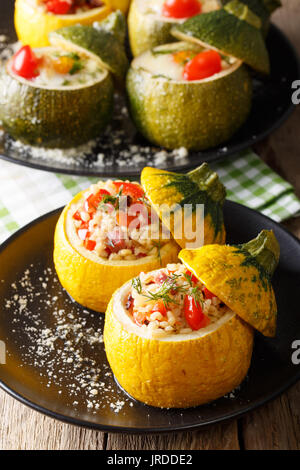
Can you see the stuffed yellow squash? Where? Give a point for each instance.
(183, 335)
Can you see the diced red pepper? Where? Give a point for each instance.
(77, 215)
(92, 202)
(181, 8)
(194, 314)
(193, 278)
(90, 244)
(129, 189)
(25, 63)
(203, 65)
(59, 7)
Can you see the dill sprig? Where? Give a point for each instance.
(168, 289)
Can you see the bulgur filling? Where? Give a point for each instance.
(183, 61)
(171, 301)
(115, 222)
(55, 68)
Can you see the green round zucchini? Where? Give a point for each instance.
(53, 118)
(195, 114)
(147, 29)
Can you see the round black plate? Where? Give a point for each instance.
(271, 106)
(33, 305)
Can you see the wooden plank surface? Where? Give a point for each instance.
(273, 426)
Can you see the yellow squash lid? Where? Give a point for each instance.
(240, 275)
(169, 193)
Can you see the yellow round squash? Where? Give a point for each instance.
(33, 24)
(91, 280)
(177, 371)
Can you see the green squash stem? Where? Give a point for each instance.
(243, 12)
(208, 181)
(264, 250)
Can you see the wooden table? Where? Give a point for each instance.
(273, 426)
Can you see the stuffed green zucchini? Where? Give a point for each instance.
(185, 95)
(150, 23)
(62, 95)
(51, 97)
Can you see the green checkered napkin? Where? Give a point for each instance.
(26, 194)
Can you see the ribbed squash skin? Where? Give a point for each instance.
(227, 33)
(240, 284)
(100, 42)
(178, 374)
(146, 31)
(195, 115)
(54, 118)
(92, 283)
(165, 188)
(33, 26)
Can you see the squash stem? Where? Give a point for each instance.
(243, 12)
(265, 249)
(208, 181)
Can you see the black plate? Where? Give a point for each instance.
(271, 106)
(39, 377)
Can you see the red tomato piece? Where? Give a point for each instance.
(160, 307)
(77, 215)
(208, 294)
(115, 241)
(93, 201)
(181, 8)
(193, 278)
(124, 220)
(25, 63)
(90, 244)
(129, 189)
(59, 7)
(203, 65)
(194, 314)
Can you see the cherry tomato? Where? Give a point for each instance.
(89, 244)
(193, 278)
(93, 201)
(208, 294)
(129, 189)
(160, 307)
(203, 65)
(194, 314)
(181, 8)
(25, 63)
(59, 7)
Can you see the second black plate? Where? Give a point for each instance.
(56, 361)
(124, 152)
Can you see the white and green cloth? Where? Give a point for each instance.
(25, 194)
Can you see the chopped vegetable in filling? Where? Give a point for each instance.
(115, 222)
(54, 68)
(171, 301)
(178, 10)
(183, 61)
(69, 7)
